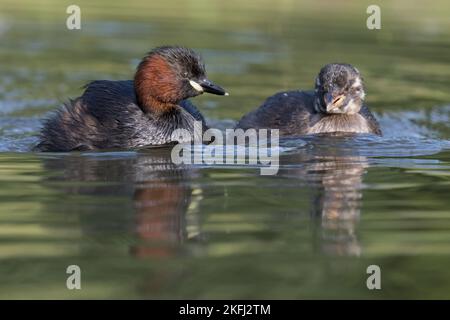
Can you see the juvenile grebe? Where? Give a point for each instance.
(336, 105)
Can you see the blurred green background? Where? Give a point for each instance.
(139, 227)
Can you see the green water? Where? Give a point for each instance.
(141, 227)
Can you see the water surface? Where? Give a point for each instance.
(141, 227)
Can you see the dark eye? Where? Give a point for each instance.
(358, 89)
(185, 74)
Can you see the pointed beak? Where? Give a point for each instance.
(333, 102)
(210, 87)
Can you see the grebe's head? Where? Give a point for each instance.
(339, 89)
(168, 75)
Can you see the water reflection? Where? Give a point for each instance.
(160, 216)
(337, 203)
(157, 195)
(159, 191)
(334, 176)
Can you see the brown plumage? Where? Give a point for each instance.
(130, 114)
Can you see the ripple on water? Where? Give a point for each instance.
(406, 134)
